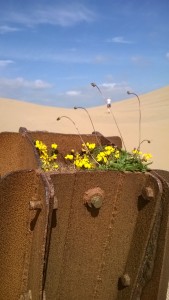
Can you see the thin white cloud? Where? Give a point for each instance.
(7, 29)
(73, 93)
(48, 55)
(40, 84)
(167, 55)
(109, 86)
(20, 82)
(140, 60)
(115, 88)
(62, 15)
(112, 90)
(5, 63)
(120, 40)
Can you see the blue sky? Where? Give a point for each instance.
(50, 51)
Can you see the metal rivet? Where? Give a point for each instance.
(34, 205)
(148, 193)
(125, 280)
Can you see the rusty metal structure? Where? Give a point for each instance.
(79, 235)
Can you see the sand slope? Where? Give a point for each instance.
(155, 121)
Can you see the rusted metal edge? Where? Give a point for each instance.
(110, 140)
(26, 134)
(25, 295)
(50, 204)
(163, 176)
(146, 268)
(115, 140)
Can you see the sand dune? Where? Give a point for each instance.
(155, 121)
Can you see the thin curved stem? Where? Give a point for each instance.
(77, 107)
(139, 137)
(148, 141)
(95, 85)
(118, 128)
(59, 118)
(83, 142)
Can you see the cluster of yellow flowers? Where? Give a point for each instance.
(90, 146)
(82, 160)
(93, 157)
(88, 159)
(103, 156)
(48, 159)
(143, 156)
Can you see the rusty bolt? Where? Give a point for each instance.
(94, 197)
(96, 201)
(125, 280)
(34, 205)
(148, 193)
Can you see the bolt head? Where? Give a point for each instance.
(35, 205)
(125, 280)
(94, 197)
(97, 201)
(148, 193)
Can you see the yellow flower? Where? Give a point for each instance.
(40, 146)
(45, 163)
(54, 146)
(117, 154)
(37, 144)
(47, 160)
(54, 156)
(109, 149)
(69, 156)
(147, 156)
(101, 157)
(55, 166)
(105, 159)
(136, 151)
(90, 146)
(78, 163)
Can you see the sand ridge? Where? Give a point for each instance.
(155, 121)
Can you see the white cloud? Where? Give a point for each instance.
(6, 29)
(109, 86)
(73, 93)
(40, 84)
(63, 16)
(20, 82)
(4, 63)
(167, 55)
(120, 40)
(117, 89)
